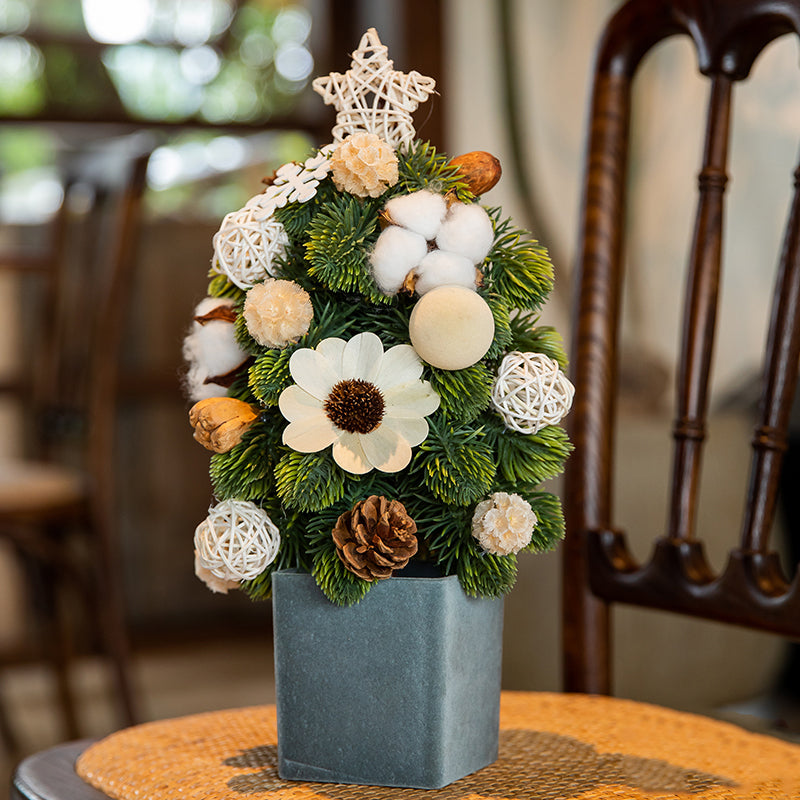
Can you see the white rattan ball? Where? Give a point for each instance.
(246, 246)
(237, 541)
(531, 391)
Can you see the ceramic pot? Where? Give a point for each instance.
(401, 689)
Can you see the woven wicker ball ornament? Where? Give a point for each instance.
(246, 246)
(531, 391)
(236, 541)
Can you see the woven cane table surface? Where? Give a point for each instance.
(552, 746)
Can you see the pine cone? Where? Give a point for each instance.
(375, 538)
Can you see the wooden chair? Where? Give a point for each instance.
(599, 569)
(57, 508)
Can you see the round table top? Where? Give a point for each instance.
(555, 746)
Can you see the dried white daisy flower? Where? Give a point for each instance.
(364, 165)
(370, 405)
(277, 312)
(503, 524)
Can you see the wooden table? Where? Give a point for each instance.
(553, 746)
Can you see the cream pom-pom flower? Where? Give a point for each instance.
(277, 312)
(364, 165)
(369, 404)
(503, 524)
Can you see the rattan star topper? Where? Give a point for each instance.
(372, 96)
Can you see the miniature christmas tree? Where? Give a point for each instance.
(368, 367)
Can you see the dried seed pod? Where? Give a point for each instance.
(220, 422)
(479, 170)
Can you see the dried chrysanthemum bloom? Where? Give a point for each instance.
(364, 165)
(503, 524)
(220, 422)
(277, 312)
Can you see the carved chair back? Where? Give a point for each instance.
(599, 567)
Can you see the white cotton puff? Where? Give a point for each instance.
(210, 349)
(396, 253)
(440, 268)
(467, 230)
(421, 212)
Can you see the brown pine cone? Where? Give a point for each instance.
(375, 538)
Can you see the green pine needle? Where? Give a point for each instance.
(527, 337)
(518, 267)
(482, 574)
(339, 239)
(245, 471)
(421, 167)
(269, 375)
(502, 325)
(220, 286)
(295, 217)
(337, 583)
(309, 481)
(549, 530)
(528, 458)
(463, 393)
(457, 464)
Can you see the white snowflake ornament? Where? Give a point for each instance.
(247, 245)
(236, 542)
(373, 97)
(531, 391)
(293, 183)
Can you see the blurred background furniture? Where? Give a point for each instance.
(599, 569)
(57, 506)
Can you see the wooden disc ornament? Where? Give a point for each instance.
(451, 327)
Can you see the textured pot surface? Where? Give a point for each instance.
(402, 689)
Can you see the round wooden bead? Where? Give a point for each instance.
(451, 327)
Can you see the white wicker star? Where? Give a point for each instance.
(247, 244)
(237, 541)
(531, 391)
(373, 97)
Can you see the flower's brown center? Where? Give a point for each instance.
(355, 406)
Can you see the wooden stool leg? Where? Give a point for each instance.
(57, 643)
(8, 737)
(116, 646)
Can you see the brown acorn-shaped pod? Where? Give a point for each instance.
(375, 538)
(479, 170)
(220, 422)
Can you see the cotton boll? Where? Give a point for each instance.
(440, 268)
(214, 346)
(467, 230)
(208, 304)
(197, 389)
(396, 253)
(421, 212)
(210, 349)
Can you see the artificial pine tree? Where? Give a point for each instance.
(348, 273)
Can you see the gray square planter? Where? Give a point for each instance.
(402, 689)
